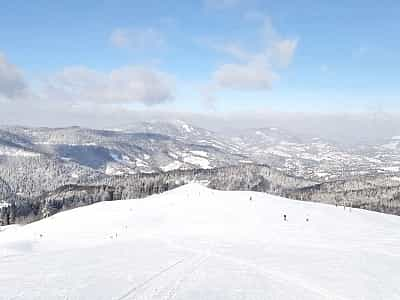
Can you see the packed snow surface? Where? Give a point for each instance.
(197, 243)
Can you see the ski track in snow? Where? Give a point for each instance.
(161, 286)
(146, 282)
(272, 275)
(196, 243)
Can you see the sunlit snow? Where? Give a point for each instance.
(197, 243)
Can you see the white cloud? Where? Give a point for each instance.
(248, 76)
(12, 82)
(137, 38)
(123, 85)
(284, 51)
(250, 69)
(80, 85)
(233, 50)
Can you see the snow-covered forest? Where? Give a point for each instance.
(373, 193)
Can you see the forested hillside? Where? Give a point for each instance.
(46, 170)
(244, 177)
(380, 193)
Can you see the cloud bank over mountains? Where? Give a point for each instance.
(79, 84)
(122, 85)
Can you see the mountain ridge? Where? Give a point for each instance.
(34, 161)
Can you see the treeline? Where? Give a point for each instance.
(374, 193)
(5, 190)
(32, 176)
(245, 177)
(25, 210)
(375, 197)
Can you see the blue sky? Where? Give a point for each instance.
(200, 56)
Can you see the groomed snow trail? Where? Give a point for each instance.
(197, 243)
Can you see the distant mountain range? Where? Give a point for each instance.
(34, 160)
(45, 170)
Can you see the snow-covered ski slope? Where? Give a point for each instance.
(197, 243)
